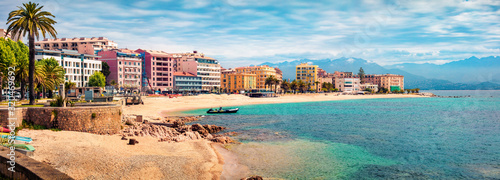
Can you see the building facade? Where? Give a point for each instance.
(348, 85)
(307, 73)
(234, 82)
(158, 66)
(261, 72)
(207, 68)
(78, 67)
(125, 66)
(372, 87)
(83, 45)
(187, 82)
(388, 81)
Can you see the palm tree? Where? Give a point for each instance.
(417, 90)
(284, 86)
(294, 86)
(317, 88)
(277, 82)
(68, 86)
(50, 74)
(31, 19)
(301, 85)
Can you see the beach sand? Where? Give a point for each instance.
(90, 156)
(164, 106)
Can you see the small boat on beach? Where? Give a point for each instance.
(220, 110)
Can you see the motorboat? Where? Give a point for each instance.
(213, 111)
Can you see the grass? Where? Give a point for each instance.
(36, 105)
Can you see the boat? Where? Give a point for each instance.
(19, 138)
(213, 111)
(4, 129)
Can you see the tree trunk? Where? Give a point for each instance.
(23, 84)
(31, 68)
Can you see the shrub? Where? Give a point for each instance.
(94, 115)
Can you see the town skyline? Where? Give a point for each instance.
(242, 33)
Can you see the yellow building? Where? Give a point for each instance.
(307, 73)
(261, 72)
(234, 82)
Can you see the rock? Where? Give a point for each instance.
(132, 142)
(124, 138)
(178, 123)
(230, 134)
(222, 139)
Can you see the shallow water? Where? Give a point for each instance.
(413, 138)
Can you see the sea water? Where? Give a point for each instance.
(408, 138)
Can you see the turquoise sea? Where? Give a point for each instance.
(411, 138)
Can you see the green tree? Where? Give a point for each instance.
(68, 86)
(22, 66)
(302, 86)
(285, 86)
(317, 87)
(294, 86)
(105, 69)
(7, 59)
(97, 80)
(361, 75)
(114, 84)
(30, 19)
(276, 83)
(51, 73)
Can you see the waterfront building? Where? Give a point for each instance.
(322, 73)
(373, 87)
(78, 67)
(348, 85)
(158, 68)
(83, 45)
(389, 81)
(307, 73)
(236, 82)
(261, 72)
(187, 82)
(207, 68)
(125, 66)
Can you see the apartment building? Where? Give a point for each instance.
(234, 82)
(78, 67)
(307, 73)
(82, 45)
(159, 67)
(186, 82)
(348, 85)
(261, 72)
(373, 87)
(207, 68)
(388, 81)
(125, 66)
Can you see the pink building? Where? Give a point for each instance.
(160, 67)
(125, 66)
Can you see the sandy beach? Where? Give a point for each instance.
(164, 106)
(90, 156)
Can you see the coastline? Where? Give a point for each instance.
(159, 107)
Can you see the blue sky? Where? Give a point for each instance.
(241, 32)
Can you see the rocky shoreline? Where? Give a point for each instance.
(172, 129)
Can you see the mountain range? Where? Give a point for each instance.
(467, 74)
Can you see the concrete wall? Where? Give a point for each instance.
(94, 119)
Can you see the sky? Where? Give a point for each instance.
(243, 32)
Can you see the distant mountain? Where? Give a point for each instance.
(353, 65)
(471, 70)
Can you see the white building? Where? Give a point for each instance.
(373, 87)
(348, 85)
(78, 67)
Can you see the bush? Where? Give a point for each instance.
(94, 115)
(59, 102)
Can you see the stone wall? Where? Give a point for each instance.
(27, 168)
(94, 119)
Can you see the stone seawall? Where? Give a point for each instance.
(93, 119)
(27, 168)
